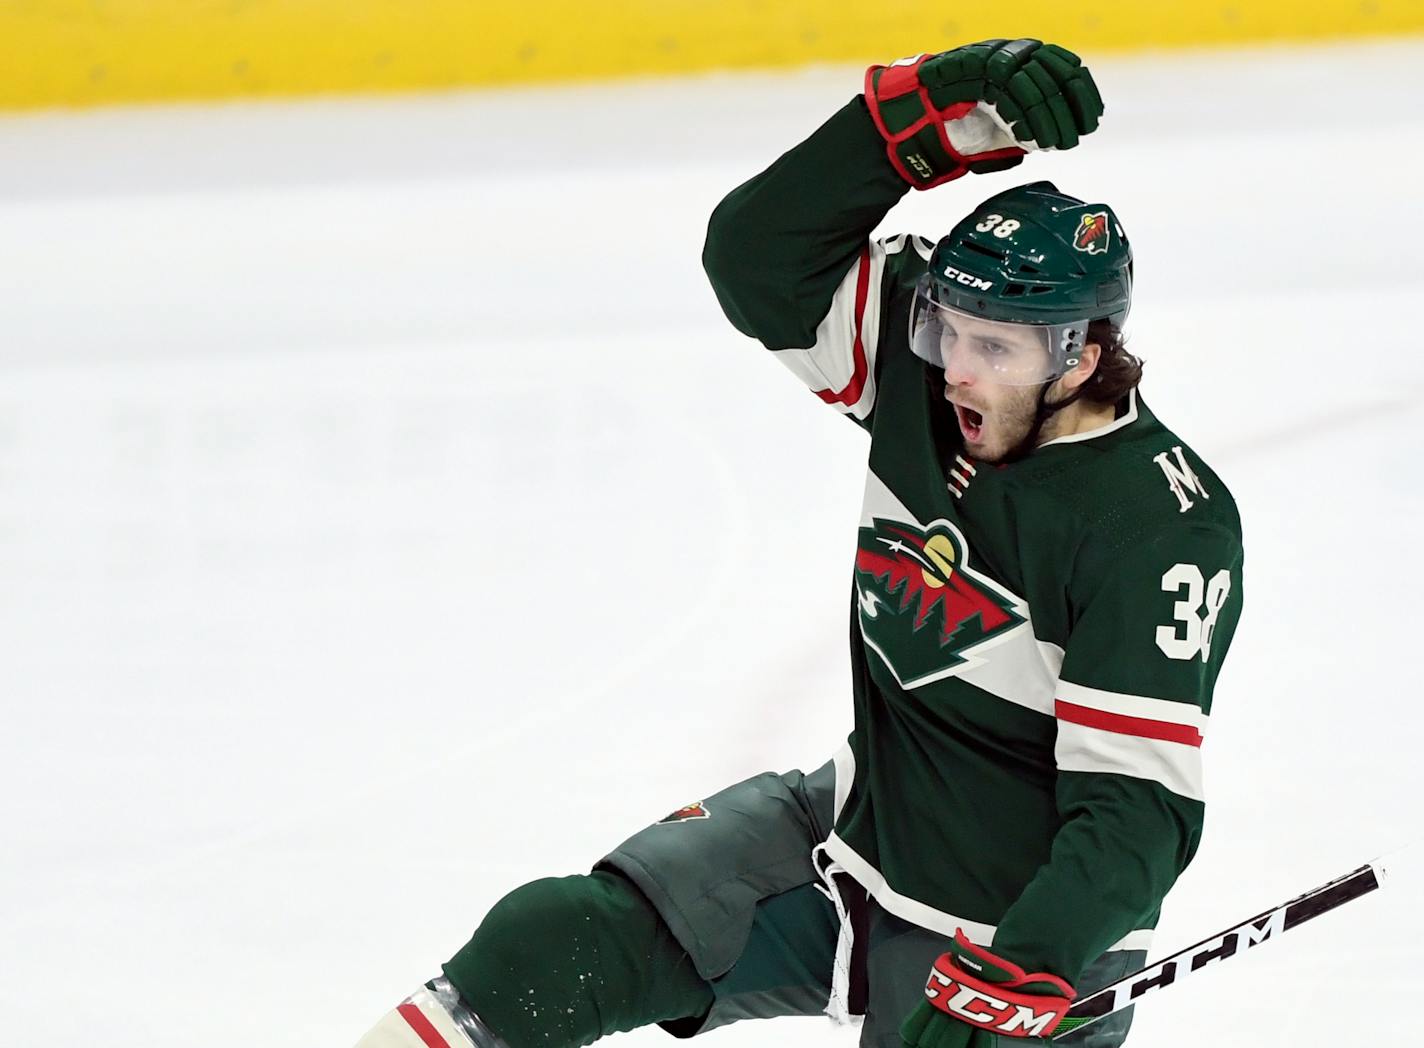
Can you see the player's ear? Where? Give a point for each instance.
(1087, 366)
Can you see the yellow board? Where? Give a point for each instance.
(87, 52)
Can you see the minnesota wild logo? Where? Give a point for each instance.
(922, 608)
(1093, 233)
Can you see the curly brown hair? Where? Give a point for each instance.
(1118, 371)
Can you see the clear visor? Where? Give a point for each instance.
(970, 347)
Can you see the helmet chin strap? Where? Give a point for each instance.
(1041, 415)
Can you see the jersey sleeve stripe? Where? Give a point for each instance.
(853, 389)
(1143, 727)
(422, 1026)
(1143, 706)
(839, 367)
(1084, 748)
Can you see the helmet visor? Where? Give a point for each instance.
(1009, 354)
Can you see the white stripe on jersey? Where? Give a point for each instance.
(1089, 749)
(845, 775)
(1184, 713)
(926, 916)
(840, 366)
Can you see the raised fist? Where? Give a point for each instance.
(980, 107)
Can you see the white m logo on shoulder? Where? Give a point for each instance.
(1180, 477)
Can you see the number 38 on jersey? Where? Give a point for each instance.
(1196, 611)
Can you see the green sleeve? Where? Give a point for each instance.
(1134, 694)
(779, 245)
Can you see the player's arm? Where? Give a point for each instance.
(789, 253)
(1132, 706)
(1150, 634)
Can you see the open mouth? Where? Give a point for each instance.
(971, 422)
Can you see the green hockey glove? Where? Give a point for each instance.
(973, 995)
(980, 107)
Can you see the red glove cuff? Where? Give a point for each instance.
(897, 81)
(1003, 1007)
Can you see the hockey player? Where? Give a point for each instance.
(1046, 583)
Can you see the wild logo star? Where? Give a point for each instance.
(922, 608)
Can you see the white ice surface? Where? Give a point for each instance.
(388, 517)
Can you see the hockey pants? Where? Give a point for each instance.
(713, 915)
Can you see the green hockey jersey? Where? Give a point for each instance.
(1034, 645)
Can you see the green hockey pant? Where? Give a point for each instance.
(701, 920)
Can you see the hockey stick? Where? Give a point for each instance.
(1132, 988)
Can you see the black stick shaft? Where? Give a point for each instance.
(1264, 926)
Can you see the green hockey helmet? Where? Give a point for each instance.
(1030, 256)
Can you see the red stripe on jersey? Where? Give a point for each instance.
(1142, 727)
(851, 394)
(422, 1026)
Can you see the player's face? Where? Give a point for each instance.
(984, 365)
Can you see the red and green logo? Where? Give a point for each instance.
(922, 608)
(1093, 235)
(695, 810)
